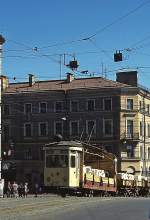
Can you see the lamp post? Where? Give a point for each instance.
(2, 41)
(115, 165)
(115, 169)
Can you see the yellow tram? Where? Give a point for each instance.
(75, 167)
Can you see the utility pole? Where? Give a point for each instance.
(144, 138)
(2, 41)
(60, 67)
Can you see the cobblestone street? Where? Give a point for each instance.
(52, 207)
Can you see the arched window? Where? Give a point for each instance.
(131, 170)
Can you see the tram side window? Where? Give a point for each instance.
(55, 161)
(73, 161)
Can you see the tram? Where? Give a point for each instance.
(74, 167)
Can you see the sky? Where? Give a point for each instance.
(39, 32)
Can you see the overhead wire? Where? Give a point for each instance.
(118, 20)
(90, 36)
(36, 50)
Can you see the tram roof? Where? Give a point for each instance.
(63, 143)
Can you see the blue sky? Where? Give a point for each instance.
(51, 26)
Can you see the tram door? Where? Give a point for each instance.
(74, 169)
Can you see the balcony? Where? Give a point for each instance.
(128, 156)
(130, 136)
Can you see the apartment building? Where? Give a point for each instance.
(112, 114)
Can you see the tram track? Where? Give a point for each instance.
(38, 206)
(27, 207)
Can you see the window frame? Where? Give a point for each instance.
(24, 133)
(27, 154)
(70, 125)
(6, 138)
(148, 153)
(9, 109)
(131, 104)
(127, 126)
(130, 151)
(62, 109)
(148, 130)
(104, 120)
(71, 109)
(41, 108)
(87, 106)
(39, 129)
(104, 99)
(28, 103)
(93, 133)
(55, 122)
(73, 161)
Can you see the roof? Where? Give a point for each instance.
(81, 83)
(63, 143)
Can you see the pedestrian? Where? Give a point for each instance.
(20, 190)
(15, 189)
(26, 190)
(40, 189)
(36, 189)
(8, 190)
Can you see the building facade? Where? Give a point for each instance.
(112, 114)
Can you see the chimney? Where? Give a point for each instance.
(70, 77)
(128, 77)
(4, 82)
(31, 79)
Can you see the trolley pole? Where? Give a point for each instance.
(2, 41)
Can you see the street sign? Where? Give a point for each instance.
(5, 166)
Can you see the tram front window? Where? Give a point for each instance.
(55, 161)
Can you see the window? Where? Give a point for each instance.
(90, 127)
(27, 129)
(42, 107)
(6, 132)
(107, 104)
(74, 128)
(140, 105)
(148, 132)
(43, 129)
(54, 161)
(129, 151)
(108, 127)
(129, 104)
(27, 108)
(141, 152)
(148, 109)
(58, 127)
(6, 109)
(129, 128)
(28, 154)
(90, 105)
(141, 128)
(74, 106)
(59, 106)
(149, 153)
(73, 165)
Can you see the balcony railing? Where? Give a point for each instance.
(130, 136)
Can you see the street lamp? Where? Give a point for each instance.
(66, 126)
(115, 164)
(2, 41)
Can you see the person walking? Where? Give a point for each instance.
(8, 190)
(26, 190)
(15, 189)
(36, 189)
